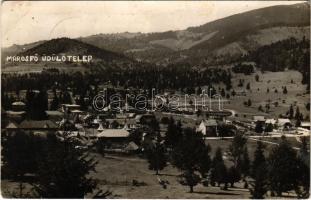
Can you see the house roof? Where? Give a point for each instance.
(283, 121)
(305, 124)
(122, 121)
(76, 111)
(100, 128)
(18, 103)
(71, 105)
(270, 121)
(72, 133)
(259, 118)
(11, 125)
(10, 112)
(34, 124)
(210, 122)
(113, 133)
(54, 113)
(132, 146)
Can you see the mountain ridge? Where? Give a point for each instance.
(235, 35)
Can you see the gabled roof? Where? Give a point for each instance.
(283, 121)
(76, 111)
(37, 124)
(100, 128)
(132, 146)
(11, 125)
(122, 121)
(113, 133)
(18, 103)
(259, 118)
(10, 112)
(209, 122)
(72, 133)
(305, 124)
(54, 113)
(270, 121)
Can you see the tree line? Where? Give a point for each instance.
(281, 171)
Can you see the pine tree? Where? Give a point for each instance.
(259, 173)
(188, 156)
(259, 158)
(20, 153)
(308, 106)
(205, 162)
(260, 108)
(303, 188)
(156, 155)
(66, 98)
(297, 114)
(54, 103)
(233, 93)
(218, 169)
(248, 87)
(173, 134)
(236, 148)
(260, 185)
(245, 163)
(291, 112)
(258, 128)
(269, 128)
(223, 93)
(283, 168)
(257, 77)
(233, 175)
(249, 103)
(63, 171)
(190, 179)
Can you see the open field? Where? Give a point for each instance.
(272, 80)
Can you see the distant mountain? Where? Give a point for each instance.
(223, 39)
(230, 36)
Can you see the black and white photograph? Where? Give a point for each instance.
(155, 99)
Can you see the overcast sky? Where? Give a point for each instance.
(25, 22)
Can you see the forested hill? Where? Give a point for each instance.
(68, 46)
(286, 54)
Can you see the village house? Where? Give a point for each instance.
(18, 106)
(16, 116)
(113, 138)
(70, 107)
(33, 125)
(284, 123)
(270, 121)
(54, 115)
(208, 127)
(121, 123)
(305, 125)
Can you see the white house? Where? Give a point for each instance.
(206, 124)
(283, 122)
(270, 121)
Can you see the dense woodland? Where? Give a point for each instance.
(286, 54)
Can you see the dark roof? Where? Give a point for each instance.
(54, 113)
(42, 124)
